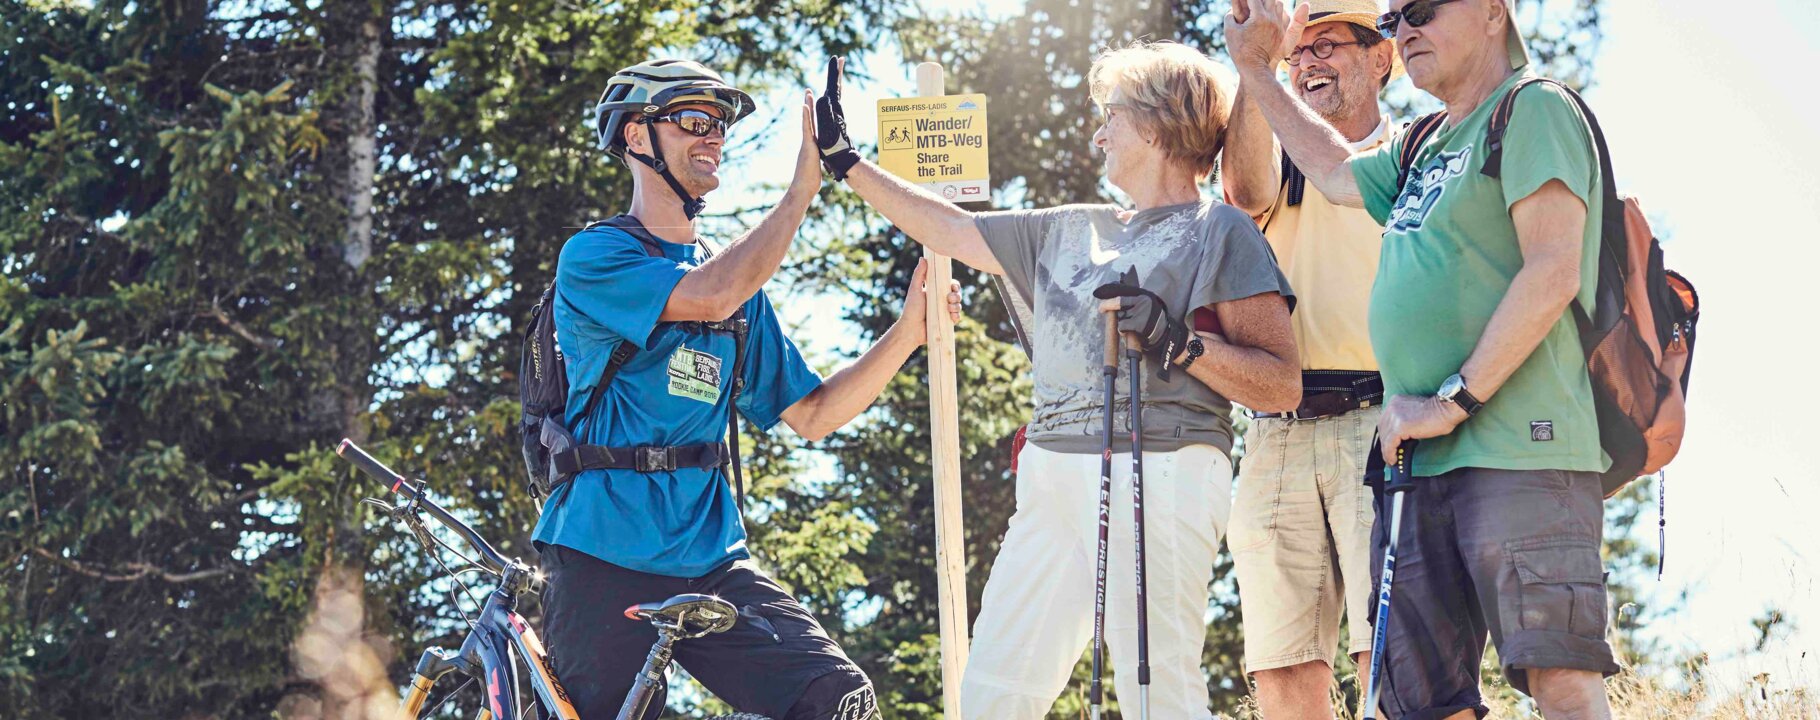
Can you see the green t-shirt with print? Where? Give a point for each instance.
(1450, 253)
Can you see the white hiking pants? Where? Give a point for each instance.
(1036, 617)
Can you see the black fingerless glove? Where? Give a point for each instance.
(838, 155)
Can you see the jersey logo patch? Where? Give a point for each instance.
(1541, 430)
(695, 375)
(1424, 191)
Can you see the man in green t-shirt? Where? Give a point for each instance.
(1470, 325)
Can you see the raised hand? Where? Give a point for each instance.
(1260, 33)
(808, 176)
(837, 152)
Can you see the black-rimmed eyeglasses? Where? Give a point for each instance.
(1322, 49)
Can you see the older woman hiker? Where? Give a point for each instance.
(1205, 266)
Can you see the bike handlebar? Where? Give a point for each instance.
(402, 486)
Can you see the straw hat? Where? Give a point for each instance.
(1363, 13)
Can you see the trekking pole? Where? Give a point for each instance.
(1111, 372)
(1134, 358)
(1397, 481)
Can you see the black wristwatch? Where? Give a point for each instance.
(1195, 349)
(1453, 390)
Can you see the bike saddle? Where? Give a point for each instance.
(690, 615)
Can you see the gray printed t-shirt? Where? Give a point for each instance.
(1191, 255)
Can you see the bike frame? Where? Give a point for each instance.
(497, 635)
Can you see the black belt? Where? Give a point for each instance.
(1326, 393)
(644, 458)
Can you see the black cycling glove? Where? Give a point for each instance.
(838, 155)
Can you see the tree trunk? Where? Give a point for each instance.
(362, 135)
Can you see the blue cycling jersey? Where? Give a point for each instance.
(675, 391)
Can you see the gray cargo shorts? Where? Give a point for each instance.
(1513, 554)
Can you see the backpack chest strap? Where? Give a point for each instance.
(642, 458)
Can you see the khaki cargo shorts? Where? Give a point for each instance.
(1301, 538)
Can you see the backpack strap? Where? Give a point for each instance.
(1415, 135)
(1294, 182)
(740, 328)
(1500, 122)
(623, 352)
(737, 325)
(1614, 264)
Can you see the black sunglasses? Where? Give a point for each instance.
(694, 122)
(1417, 14)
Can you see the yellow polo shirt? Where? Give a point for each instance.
(1330, 255)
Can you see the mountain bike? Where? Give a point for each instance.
(501, 650)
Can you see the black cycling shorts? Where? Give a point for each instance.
(762, 665)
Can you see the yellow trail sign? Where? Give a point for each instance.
(938, 143)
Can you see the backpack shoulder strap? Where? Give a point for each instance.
(1500, 122)
(1415, 135)
(631, 226)
(1614, 262)
(623, 352)
(1294, 182)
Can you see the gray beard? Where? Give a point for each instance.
(1338, 110)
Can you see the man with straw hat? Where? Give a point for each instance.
(1479, 353)
(1301, 522)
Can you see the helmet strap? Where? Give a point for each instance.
(692, 205)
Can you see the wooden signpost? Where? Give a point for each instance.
(940, 143)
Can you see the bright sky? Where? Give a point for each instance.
(1708, 130)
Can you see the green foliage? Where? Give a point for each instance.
(186, 332)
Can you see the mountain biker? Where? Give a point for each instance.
(668, 523)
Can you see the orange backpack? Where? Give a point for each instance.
(1639, 339)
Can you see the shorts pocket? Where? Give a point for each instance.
(759, 622)
(1561, 586)
(1259, 497)
(1365, 430)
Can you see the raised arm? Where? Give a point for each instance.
(932, 221)
(928, 219)
(1258, 34)
(718, 287)
(1249, 169)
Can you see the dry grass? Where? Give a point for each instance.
(1638, 696)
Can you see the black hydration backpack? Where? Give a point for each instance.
(551, 454)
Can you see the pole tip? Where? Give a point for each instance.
(342, 449)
